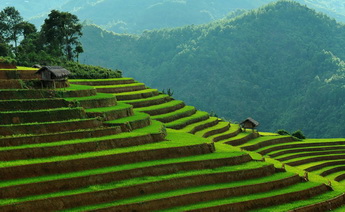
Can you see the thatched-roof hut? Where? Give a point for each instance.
(53, 76)
(51, 73)
(249, 123)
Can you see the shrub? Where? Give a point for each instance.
(298, 134)
(7, 60)
(283, 132)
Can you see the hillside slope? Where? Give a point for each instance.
(135, 16)
(76, 149)
(282, 64)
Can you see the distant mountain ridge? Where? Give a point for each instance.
(283, 64)
(135, 16)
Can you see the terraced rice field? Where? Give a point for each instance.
(134, 149)
(175, 115)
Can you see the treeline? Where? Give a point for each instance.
(281, 64)
(57, 42)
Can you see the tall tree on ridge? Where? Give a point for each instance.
(60, 33)
(10, 25)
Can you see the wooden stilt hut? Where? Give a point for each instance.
(249, 123)
(53, 76)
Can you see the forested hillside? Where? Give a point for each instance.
(281, 64)
(135, 16)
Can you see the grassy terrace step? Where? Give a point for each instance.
(194, 195)
(264, 141)
(147, 185)
(330, 170)
(183, 145)
(19, 73)
(216, 129)
(145, 102)
(32, 104)
(323, 202)
(183, 122)
(56, 183)
(146, 93)
(146, 135)
(240, 139)
(10, 84)
(177, 114)
(118, 111)
(46, 115)
(60, 136)
(162, 108)
(321, 164)
(259, 200)
(232, 132)
(309, 159)
(73, 91)
(138, 120)
(305, 149)
(49, 127)
(302, 144)
(120, 88)
(116, 179)
(96, 82)
(76, 91)
(99, 100)
(307, 154)
(193, 128)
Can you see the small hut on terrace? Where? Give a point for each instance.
(249, 123)
(53, 75)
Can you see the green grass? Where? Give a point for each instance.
(191, 127)
(185, 120)
(77, 87)
(176, 113)
(312, 164)
(119, 86)
(146, 164)
(293, 188)
(42, 110)
(180, 139)
(22, 68)
(190, 190)
(308, 153)
(239, 136)
(260, 140)
(50, 122)
(215, 127)
(136, 92)
(155, 127)
(313, 157)
(98, 96)
(301, 203)
(172, 103)
(136, 117)
(136, 181)
(161, 96)
(98, 80)
(119, 106)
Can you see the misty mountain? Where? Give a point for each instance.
(282, 64)
(135, 16)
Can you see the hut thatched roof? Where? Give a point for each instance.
(251, 120)
(58, 71)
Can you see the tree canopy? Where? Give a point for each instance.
(60, 33)
(282, 64)
(57, 43)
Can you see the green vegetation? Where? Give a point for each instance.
(142, 154)
(53, 45)
(7, 60)
(261, 57)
